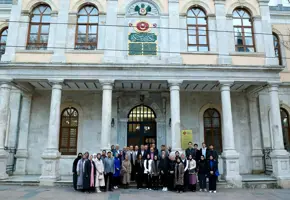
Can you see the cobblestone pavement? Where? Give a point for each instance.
(66, 193)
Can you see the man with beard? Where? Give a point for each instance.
(74, 170)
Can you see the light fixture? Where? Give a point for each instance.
(169, 122)
(112, 122)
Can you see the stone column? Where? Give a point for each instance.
(230, 155)
(61, 32)
(5, 89)
(122, 132)
(173, 24)
(51, 155)
(22, 151)
(267, 33)
(257, 153)
(212, 33)
(221, 27)
(15, 17)
(106, 113)
(279, 156)
(175, 114)
(111, 31)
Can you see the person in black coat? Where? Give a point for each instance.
(74, 170)
(171, 174)
(202, 173)
(212, 152)
(163, 170)
(139, 170)
(190, 151)
(212, 169)
(197, 152)
(89, 181)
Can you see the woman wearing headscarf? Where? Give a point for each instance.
(126, 171)
(116, 175)
(202, 172)
(155, 173)
(80, 172)
(192, 173)
(139, 165)
(147, 171)
(74, 170)
(212, 177)
(100, 180)
(179, 175)
(163, 169)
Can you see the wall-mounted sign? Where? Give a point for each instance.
(186, 137)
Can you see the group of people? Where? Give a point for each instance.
(149, 167)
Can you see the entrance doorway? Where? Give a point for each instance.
(141, 127)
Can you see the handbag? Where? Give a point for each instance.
(217, 172)
(192, 171)
(100, 177)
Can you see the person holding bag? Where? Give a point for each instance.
(212, 174)
(147, 171)
(192, 173)
(126, 171)
(100, 180)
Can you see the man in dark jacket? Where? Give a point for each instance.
(197, 152)
(213, 153)
(190, 151)
(74, 170)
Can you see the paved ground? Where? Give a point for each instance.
(65, 193)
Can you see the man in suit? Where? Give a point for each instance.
(197, 152)
(132, 158)
(212, 152)
(155, 149)
(142, 152)
(146, 149)
(163, 149)
(203, 150)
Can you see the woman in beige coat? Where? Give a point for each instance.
(179, 175)
(126, 171)
(100, 180)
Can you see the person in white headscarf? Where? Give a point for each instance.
(95, 157)
(100, 179)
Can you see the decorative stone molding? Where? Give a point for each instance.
(34, 3)
(196, 3)
(77, 6)
(127, 4)
(251, 8)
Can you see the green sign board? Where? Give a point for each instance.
(142, 44)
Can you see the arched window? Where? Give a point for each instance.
(212, 129)
(243, 28)
(69, 131)
(197, 35)
(285, 128)
(87, 28)
(277, 48)
(39, 27)
(3, 39)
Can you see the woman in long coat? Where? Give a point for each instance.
(163, 168)
(155, 173)
(80, 172)
(100, 180)
(126, 171)
(89, 175)
(116, 175)
(139, 165)
(179, 175)
(192, 173)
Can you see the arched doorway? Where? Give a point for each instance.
(141, 127)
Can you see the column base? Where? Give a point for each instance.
(258, 161)
(109, 59)
(21, 161)
(224, 60)
(58, 58)
(231, 169)
(271, 61)
(50, 168)
(3, 164)
(281, 167)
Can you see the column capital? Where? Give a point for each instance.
(107, 82)
(226, 82)
(274, 83)
(56, 81)
(174, 82)
(219, 1)
(6, 81)
(263, 2)
(225, 85)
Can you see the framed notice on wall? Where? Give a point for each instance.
(186, 137)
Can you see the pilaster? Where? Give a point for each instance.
(111, 31)
(22, 149)
(222, 33)
(5, 89)
(15, 17)
(61, 32)
(51, 155)
(174, 32)
(230, 155)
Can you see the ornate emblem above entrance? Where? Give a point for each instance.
(142, 9)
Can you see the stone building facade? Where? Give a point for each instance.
(81, 75)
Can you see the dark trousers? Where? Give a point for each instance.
(133, 172)
(116, 181)
(202, 181)
(179, 188)
(170, 182)
(75, 180)
(212, 183)
(148, 180)
(164, 180)
(155, 182)
(185, 181)
(139, 180)
(109, 181)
